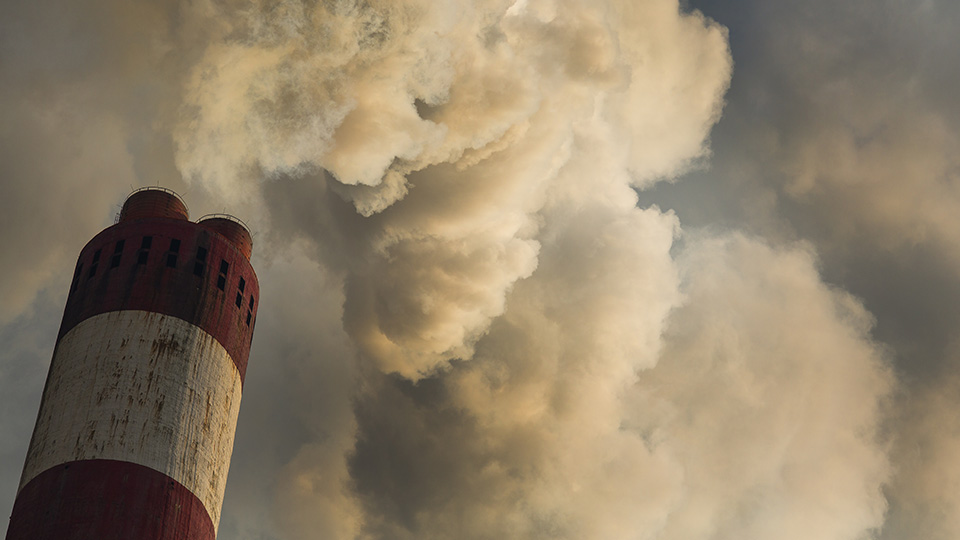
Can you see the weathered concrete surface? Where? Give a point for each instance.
(144, 388)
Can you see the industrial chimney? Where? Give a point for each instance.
(136, 425)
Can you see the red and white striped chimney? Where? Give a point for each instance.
(136, 425)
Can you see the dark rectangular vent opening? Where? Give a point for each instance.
(76, 277)
(143, 254)
(172, 253)
(222, 279)
(93, 267)
(200, 264)
(117, 252)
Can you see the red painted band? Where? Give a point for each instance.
(107, 500)
(179, 273)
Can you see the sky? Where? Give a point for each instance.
(529, 269)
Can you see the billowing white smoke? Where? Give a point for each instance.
(451, 125)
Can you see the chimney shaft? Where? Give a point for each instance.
(136, 425)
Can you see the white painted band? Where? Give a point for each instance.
(144, 388)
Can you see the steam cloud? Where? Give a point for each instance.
(470, 328)
(452, 128)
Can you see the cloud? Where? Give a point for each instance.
(771, 394)
(838, 131)
(922, 491)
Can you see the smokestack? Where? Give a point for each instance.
(137, 420)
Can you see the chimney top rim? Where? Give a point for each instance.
(228, 217)
(159, 188)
